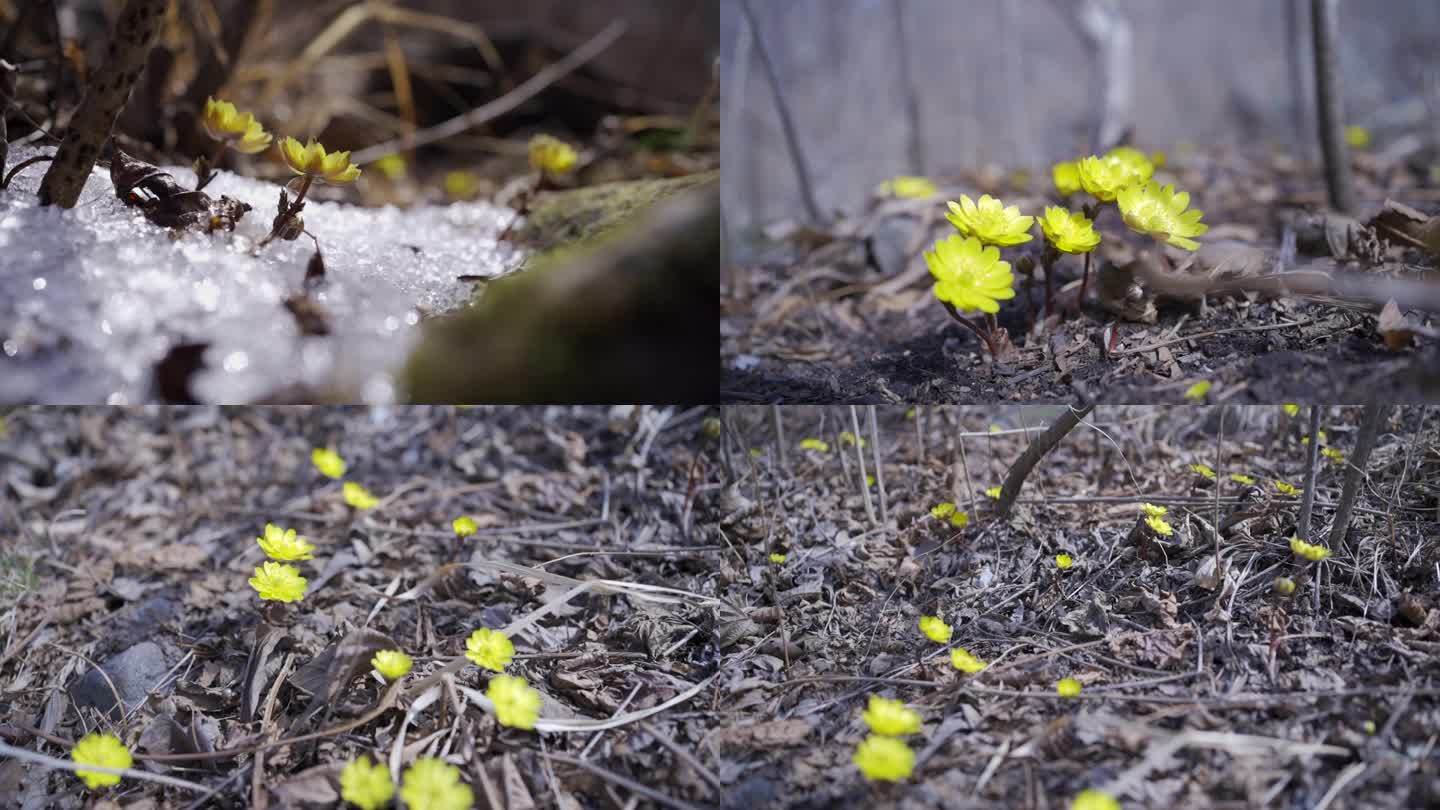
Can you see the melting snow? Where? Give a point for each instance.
(92, 298)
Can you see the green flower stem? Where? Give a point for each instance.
(1048, 257)
(1085, 279)
(968, 324)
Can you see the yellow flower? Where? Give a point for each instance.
(711, 427)
(1290, 408)
(490, 649)
(1283, 586)
(1243, 479)
(993, 492)
(990, 221)
(104, 750)
(328, 462)
(241, 131)
(1159, 526)
(1286, 489)
(909, 188)
(1333, 454)
(1198, 391)
(1138, 160)
(776, 558)
(1064, 561)
(1091, 799)
(891, 718)
(1203, 470)
(1309, 551)
(869, 480)
(1069, 233)
(848, 438)
(942, 510)
(968, 275)
(961, 659)
(358, 496)
(935, 629)
(1152, 510)
(461, 184)
(1357, 136)
(1159, 158)
(1105, 177)
(464, 526)
(366, 784)
(550, 154)
(1160, 212)
(431, 784)
(392, 664)
(1066, 175)
(392, 166)
(960, 520)
(278, 582)
(884, 759)
(1323, 438)
(517, 704)
(996, 429)
(817, 445)
(283, 544)
(312, 160)
(1068, 688)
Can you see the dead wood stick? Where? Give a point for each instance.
(109, 89)
(1319, 279)
(1355, 470)
(1015, 479)
(860, 454)
(1330, 106)
(1307, 498)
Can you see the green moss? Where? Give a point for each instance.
(562, 218)
(613, 314)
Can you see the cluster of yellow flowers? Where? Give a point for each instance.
(428, 784)
(1309, 551)
(1123, 176)
(331, 465)
(948, 512)
(241, 132)
(280, 581)
(1154, 517)
(883, 756)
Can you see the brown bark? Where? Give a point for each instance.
(109, 89)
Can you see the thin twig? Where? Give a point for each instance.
(1150, 347)
(860, 454)
(504, 104)
(624, 781)
(787, 122)
(879, 473)
(68, 765)
(1307, 498)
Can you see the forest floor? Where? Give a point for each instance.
(844, 313)
(1201, 687)
(129, 538)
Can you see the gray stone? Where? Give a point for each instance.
(134, 673)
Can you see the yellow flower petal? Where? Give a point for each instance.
(884, 759)
(517, 704)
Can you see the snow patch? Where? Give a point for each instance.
(93, 297)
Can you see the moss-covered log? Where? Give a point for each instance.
(628, 313)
